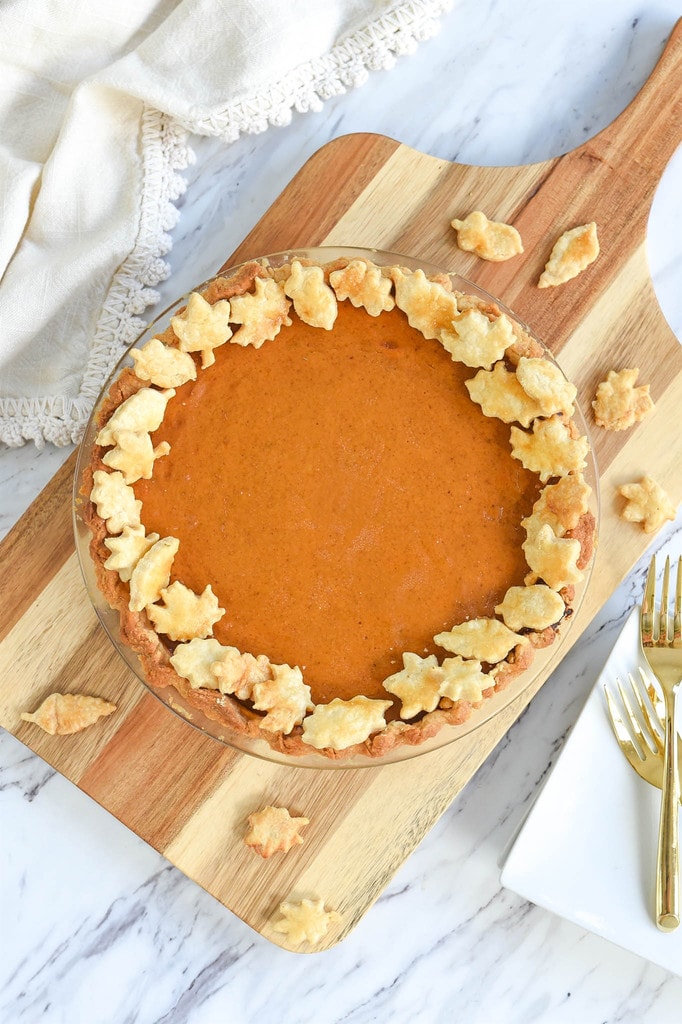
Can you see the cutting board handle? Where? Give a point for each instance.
(649, 130)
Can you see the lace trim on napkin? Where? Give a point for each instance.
(347, 65)
(61, 420)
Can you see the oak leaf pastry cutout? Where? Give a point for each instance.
(202, 327)
(61, 714)
(429, 307)
(143, 412)
(618, 404)
(127, 549)
(572, 253)
(274, 830)
(151, 575)
(551, 558)
(285, 698)
(364, 284)
(115, 500)
(417, 684)
(422, 682)
(646, 503)
(483, 639)
(314, 301)
(343, 723)
(305, 921)
(195, 659)
(163, 365)
(475, 340)
(500, 396)
(549, 450)
(562, 504)
(544, 381)
(238, 673)
(261, 314)
(185, 615)
(535, 607)
(489, 239)
(134, 454)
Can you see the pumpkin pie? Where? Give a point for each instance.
(338, 506)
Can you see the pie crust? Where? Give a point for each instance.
(171, 624)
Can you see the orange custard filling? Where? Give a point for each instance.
(343, 496)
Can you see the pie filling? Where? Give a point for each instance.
(345, 499)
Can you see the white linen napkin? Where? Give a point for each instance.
(96, 103)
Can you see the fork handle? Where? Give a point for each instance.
(668, 857)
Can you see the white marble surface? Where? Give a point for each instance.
(95, 926)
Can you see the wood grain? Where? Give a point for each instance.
(186, 794)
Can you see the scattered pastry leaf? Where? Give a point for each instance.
(61, 714)
(618, 404)
(305, 921)
(490, 239)
(572, 253)
(646, 503)
(273, 830)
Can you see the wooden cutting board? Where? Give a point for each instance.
(187, 795)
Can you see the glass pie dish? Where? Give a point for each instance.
(251, 739)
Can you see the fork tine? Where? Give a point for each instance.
(655, 700)
(646, 615)
(663, 611)
(634, 723)
(653, 738)
(621, 730)
(677, 613)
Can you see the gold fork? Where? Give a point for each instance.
(640, 736)
(661, 650)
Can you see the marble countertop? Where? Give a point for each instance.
(96, 927)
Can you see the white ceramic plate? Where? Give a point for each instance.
(587, 849)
